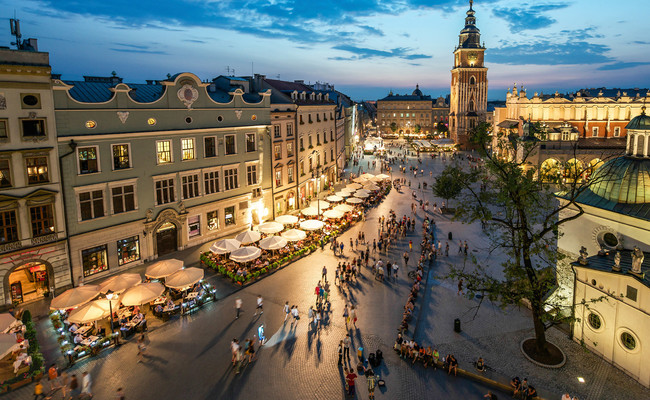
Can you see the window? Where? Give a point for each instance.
(594, 321)
(309, 164)
(230, 145)
(4, 132)
(617, 131)
(194, 226)
(37, 170)
(277, 152)
(251, 174)
(128, 250)
(42, 220)
(187, 149)
(230, 178)
(210, 146)
(164, 151)
(302, 167)
(164, 191)
(631, 293)
(123, 198)
(5, 173)
(8, 226)
(289, 149)
(211, 182)
(121, 159)
(213, 220)
(301, 121)
(229, 215)
(88, 163)
(332, 135)
(289, 129)
(31, 101)
(250, 142)
(628, 341)
(91, 204)
(310, 142)
(565, 135)
(94, 260)
(276, 131)
(331, 154)
(33, 128)
(190, 185)
(594, 131)
(302, 146)
(278, 177)
(290, 174)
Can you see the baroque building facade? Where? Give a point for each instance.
(158, 167)
(469, 83)
(33, 248)
(405, 115)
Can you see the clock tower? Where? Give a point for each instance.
(469, 84)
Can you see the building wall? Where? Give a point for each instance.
(283, 157)
(22, 74)
(406, 115)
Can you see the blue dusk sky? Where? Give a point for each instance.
(364, 47)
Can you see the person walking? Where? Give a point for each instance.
(287, 311)
(324, 274)
(353, 316)
(406, 259)
(141, 348)
(342, 246)
(340, 350)
(395, 269)
(260, 304)
(53, 377)
(372, 382)
(86, 385)
(346, 316)
(296, 315)
(238, 306)
(75, 391)
(346, 346)
(350, 376)
(38, 390)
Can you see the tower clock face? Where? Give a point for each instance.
(472, 56)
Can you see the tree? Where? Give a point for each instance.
(521, 216)
(448, 185)
(417, 128)
(393, 127)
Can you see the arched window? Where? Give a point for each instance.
(471, 105)
(472, 80)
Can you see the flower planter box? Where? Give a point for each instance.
(20, 384)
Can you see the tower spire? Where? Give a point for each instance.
(471, 4)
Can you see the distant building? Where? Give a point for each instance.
(405, 115)
(469, 83)
(158, 167)
(33, 248)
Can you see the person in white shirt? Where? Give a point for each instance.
(294, 312)
(287, 310)
(86, 385)
(238, 306)
(259, 305)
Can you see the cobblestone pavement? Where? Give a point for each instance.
(189, 357)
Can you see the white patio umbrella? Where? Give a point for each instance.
(312, 225)
(244, 254)
(273, 243)
(366, 191)
(120, 283)
(323, 204)
(224, 246)
(367, 176)
(353, 200)
(383, 176)
(142, 293)
(371, 187)
(344, 193)
(361, 195)
(74, 297)
(354, 186)
(360, 180)
(287, 219)
(184, 278)
(7, 321)
(333, 214)
(248, 237)
(271, 227)
(334, 198)
(93, 311)
(163, 268)
(311, 211)
(376, 179)
(294, 235)
(343, 208)
(7, 343)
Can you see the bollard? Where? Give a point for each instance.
(457, 325)
(450, 236)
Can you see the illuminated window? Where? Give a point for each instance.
(88, 160)
(213, 220)
(5, 173)
(229, 215)
(94, 260)
(121, 159)
(42, 220)
(37, 170)
(251, 144)
(290, 174)
(278, 177)
(289, 149)
(187, 149)
(128, 250)
(277, 152)
(164, 151)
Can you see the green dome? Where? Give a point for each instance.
(640, 122)
(623, 180)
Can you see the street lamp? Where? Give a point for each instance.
(110, 295)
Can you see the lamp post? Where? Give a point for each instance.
(110, 295)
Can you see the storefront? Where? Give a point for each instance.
(166, 239)
(29, 282)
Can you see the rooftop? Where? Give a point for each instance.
(605, 264)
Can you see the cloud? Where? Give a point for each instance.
(371, 30)
(543, 52)
(641, 42)
(194, 41)
(133, 46)
(528, 17)
(138, 51)
(621, 65)
(364, 53)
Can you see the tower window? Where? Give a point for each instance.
(472, 80)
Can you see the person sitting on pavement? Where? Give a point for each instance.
(515, 383)
(453, 365)
(480, 364)
(428, 357)
(531, 393)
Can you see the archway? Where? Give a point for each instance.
(166, 239)
(549, 171)
(28, 282)
(593, 166)
(573, 169)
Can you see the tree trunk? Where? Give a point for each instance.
(540, 331)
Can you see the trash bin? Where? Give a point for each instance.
(457, 325)
(450, 236)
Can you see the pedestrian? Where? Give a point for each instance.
(395, 268)
(351, 244)
(346, 316)
(374, 245)
(460, 287)
(324, 274)
(64, 380)
(141, 348)
(466, 248)
(310, 315)
(86, 385)
(406, 259)
(460, 246)
(260, 304)
(353, 316)
(296, 314)
(120, 394)
(340, 350)
(38, 390)
(447, 249)
(346, 346)
(75, 391)
(287, 310)
(349, 379)
(53, 377)
(251, 351)
(234, 348)
(372, 382)
(237, 306)
(342, 246)
(317, 291)
(410, 245)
